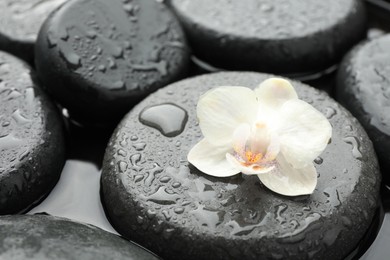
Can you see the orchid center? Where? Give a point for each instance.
(254, 147)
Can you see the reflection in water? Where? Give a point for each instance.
(76, 196)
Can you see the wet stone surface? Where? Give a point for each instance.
(168, 206)
(32, 146)
(99, 58)
(47, 237)
(20, 21)
(363, 87)
(271, 36)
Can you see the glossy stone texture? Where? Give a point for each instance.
(363, 86)
(32, 146)
(271, 36)
(20, 21)
(47, 237)
(154, 197)
(99, 58)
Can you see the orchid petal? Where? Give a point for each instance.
(240, 137)
(274, 92)
(222, 109)
(211, 160)
(304, 134)
(289, 181)
(252, 169)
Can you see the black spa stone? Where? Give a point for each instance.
(154, 197)
(363, 86)
(99, 58)
(271, 36)
(32, 147)
(20, 21)
(47, 237)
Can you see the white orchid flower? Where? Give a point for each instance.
(267, 131)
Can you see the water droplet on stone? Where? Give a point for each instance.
(122, 166)
(91, 34)
(139, 146)
(176, 184)
(51, 39)
(330, 112)
(122, 152)
(14, 94)
(165, 179)
(355, 146)
(319, 160)
(138, 178)
(169, 119)
(179, 210)
(102, 68)
(71, 58)
(161, 67)
(118, 85)
(9, 141)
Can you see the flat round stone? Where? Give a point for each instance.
(32, 146)
(20, 21)
(99, 58)
(363, 87)
(154, 197)
(47, 237)
(271, 36)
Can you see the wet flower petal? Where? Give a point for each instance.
(221, 110)
(274, 92)
(211, 160)
(304, 134)
(287, 180)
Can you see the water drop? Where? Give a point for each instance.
(138, 178)
(122, 166)
(139, 146)
(165, 179)
(111, 63)
(355, 146)
(176, 185)
(162, 197)
(279, 209)
(161, 67)
(330, 112)
(118, 85)
(319, 160)
(51, 39)
(102, 68)
(179, 210)
(266, 8)
(169, 119)
(9, 141)
(71, 58)
(14, 94)
(91, 34)
(122, 152)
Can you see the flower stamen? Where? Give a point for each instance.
(252, 158)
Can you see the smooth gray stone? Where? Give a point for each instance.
(154, 197)
(277, 36)
(46, 237)
(20, 21)
(99, 58)
(32, 145)
(363, 86)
